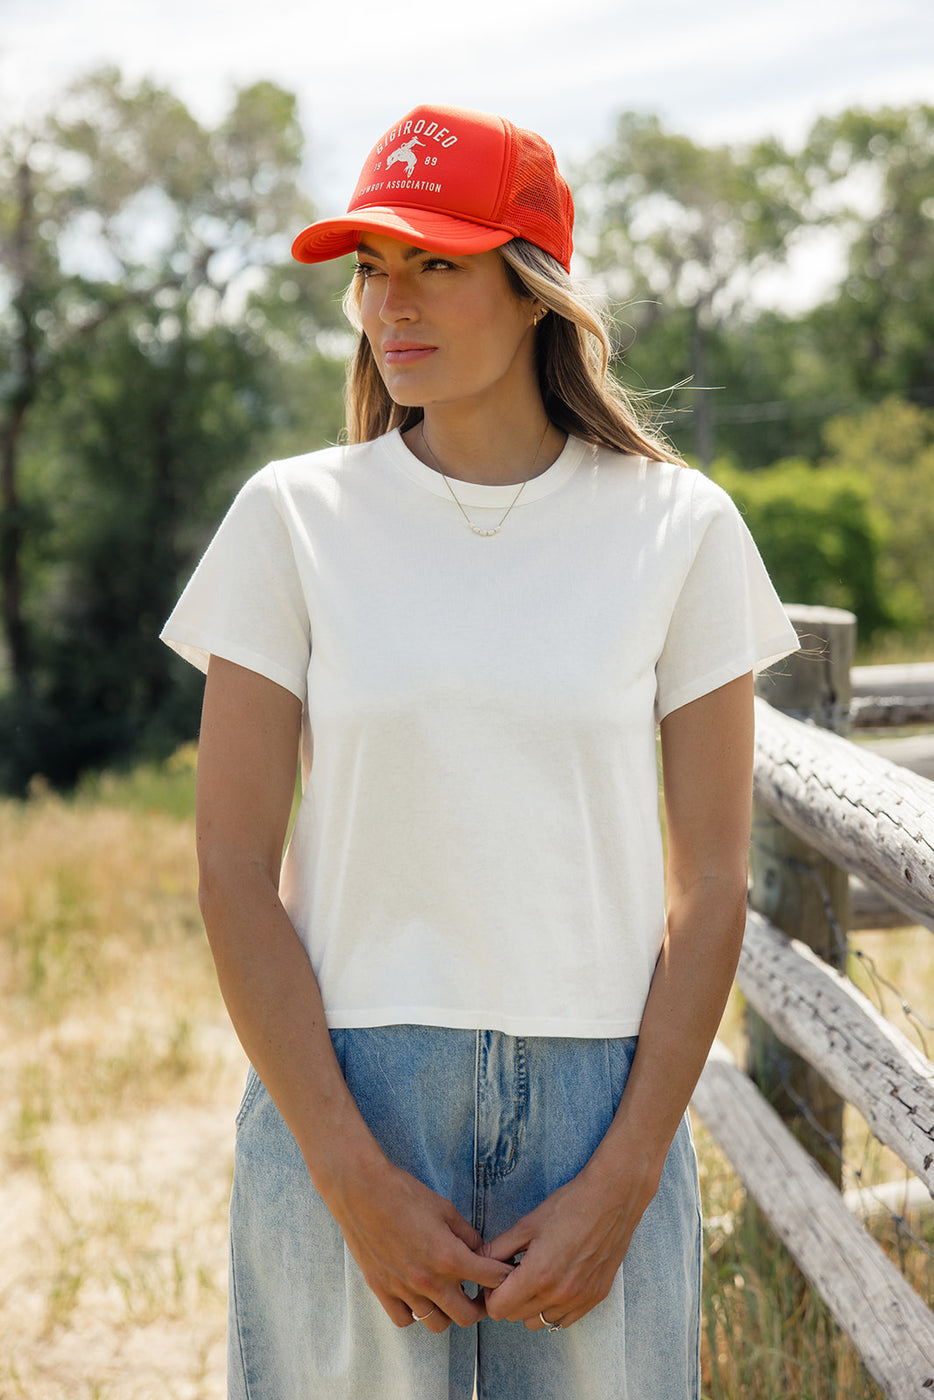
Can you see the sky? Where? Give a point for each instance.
(725, 70)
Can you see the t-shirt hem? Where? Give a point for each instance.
(506, 1022)
(768, 652)
(198, 649)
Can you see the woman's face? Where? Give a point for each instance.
(443, 329)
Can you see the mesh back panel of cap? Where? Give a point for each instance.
(536, 187)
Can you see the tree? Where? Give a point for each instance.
(890, 448)
(139, 457)
(874, 174)
(819, 536)
(140, 324)
(676, 230)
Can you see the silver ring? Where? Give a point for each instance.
(552, 1326)
(416, 1318)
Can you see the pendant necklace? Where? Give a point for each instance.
(479, 529)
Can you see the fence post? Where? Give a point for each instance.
(797, 888)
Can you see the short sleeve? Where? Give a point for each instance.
(727, 618)
(245, 600)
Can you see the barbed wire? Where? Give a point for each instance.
(914, 1018)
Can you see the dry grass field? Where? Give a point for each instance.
(120, 1079)
(120, 1082)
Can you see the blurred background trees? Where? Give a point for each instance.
(157, 345)
(816, 414)
(149, 333)
(680, 233)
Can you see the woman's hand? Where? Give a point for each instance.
(414, 1249)
(572, 1246)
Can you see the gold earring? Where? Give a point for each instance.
(538, 316)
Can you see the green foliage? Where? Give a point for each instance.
(676, 229)
(890, 448)
(148, 445)
(773, 393)
(682, 222)
(818, 535)
(879, 330)
(157, 355)
(678, 234)
(167, 787)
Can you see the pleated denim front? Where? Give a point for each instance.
(494, 1123)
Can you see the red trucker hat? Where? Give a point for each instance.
(453, 181)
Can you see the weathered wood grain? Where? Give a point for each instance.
(869, 816)
(795, 885)
(885, 1319)
(819, 1013)
(869, 908)
(892, 695)
(890, 711)
(914, 678)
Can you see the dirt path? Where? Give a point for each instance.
(113, 1267)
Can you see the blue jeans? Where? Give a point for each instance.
(494, 1124)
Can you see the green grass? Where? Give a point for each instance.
(167, 787)
(767, 1334)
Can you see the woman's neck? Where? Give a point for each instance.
(502, 452)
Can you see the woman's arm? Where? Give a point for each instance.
(576, 1239)
(413, 1247)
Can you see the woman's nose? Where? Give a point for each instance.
(397, 304)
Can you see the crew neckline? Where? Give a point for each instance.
(479, 494)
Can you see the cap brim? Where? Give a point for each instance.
(441, 233)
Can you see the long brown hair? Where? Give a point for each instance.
(572, 357)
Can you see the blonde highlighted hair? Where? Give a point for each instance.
(572, 357)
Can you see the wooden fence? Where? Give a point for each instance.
(843, 810)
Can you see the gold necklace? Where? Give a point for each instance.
(478, 529)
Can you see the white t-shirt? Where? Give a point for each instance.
(478, 842)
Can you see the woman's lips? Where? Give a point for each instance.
(407, 353)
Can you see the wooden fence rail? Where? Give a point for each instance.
(819, 1013)
(872, 817)
(887, 695)
(883, 697)
(875, 819)
(877, 1308)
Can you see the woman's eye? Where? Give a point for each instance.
(365, 271)
(438, 265)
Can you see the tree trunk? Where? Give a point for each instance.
(703, 405)
(22, 395)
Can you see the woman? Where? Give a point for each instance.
(474, 1031)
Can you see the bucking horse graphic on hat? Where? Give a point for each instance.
(405, 153)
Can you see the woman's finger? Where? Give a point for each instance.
(430, 1316)
(476, 1268)
(545, 1322)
